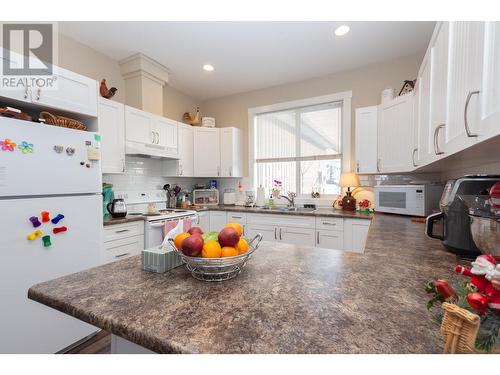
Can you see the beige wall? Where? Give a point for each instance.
(84, 60)
(365, 83)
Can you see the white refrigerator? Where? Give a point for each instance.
(51, 226)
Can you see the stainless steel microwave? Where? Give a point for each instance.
(413, 200)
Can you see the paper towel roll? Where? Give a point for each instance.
(260, 201)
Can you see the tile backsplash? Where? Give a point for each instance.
(146, 174)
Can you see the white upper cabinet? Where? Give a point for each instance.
(366, 139)
(490, 90)
(439, 87)
(424, 147)
(138, 125)
(231, 156)
(71, 92)
(206, 146)
(111, 117)
(74, 93)
(183, 167)
(149, 134)
(395, 135)
(166, 134)
(465, 66)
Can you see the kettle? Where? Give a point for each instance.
(117, 208)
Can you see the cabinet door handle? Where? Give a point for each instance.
(152, 137)
(275, 234)
(231, 171)
(466, 109)
(437, 151)
(378, 165)
(180, 169)
(280, 235)
(157, 138)
(317, 237)
(218, 171)
(357, 166)
(38, 94)
(26, 92)
(413, 157)
(121, 255)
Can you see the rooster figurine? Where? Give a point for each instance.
(192, 120)
(105, 92)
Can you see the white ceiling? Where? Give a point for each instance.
(251, 55)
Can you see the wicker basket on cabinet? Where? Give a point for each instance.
(62, 121)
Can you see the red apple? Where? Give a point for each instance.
(192, 245)
(228, 237)
(194, 230)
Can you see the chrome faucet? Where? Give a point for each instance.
(290, 198)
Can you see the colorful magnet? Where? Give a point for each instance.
(25, 147)
(34, 235)
(82, 163)
(58, 148)
(59, 229)
(7, 145)
(34, 220)
(87, 165)
(45, 216)
(97, 137)
(57, 219)
(70, 151)
(46, 241)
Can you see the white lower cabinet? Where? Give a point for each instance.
(123, 241)
(324, 232)
(217, 220)
(269, 233)
(330, 239)
(355, 233)
(238, 217)
(204, 220)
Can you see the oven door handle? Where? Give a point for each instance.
(157, 225)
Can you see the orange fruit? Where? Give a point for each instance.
(242, 246)
(211, 249)
(228, 251)
(237, 227)
(179, 238)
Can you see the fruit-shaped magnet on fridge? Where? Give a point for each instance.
(58, 148)
(7, 145)
(25, 147)
(34, 235)
(34, 220)
(46, 241)
(59, 229)
(45, 216)
(57, 219)
(70, 151)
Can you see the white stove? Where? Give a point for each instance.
(139, 202)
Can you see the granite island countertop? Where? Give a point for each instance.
(288, 299)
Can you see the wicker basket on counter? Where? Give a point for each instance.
(459, 329)
(62, 121)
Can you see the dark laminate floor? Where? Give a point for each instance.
(99, 344)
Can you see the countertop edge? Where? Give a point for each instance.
(116, 328)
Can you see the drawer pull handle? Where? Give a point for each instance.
(236, 217)
(326, 223)
(121, 255)
(122, 230)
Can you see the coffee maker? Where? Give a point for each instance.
(456, 234)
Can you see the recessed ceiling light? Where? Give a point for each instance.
(208, 67)
(342, 30)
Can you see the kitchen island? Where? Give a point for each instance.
(288, 299)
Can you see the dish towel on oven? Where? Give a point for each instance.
(170, 225)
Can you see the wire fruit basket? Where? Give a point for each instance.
(218, 269)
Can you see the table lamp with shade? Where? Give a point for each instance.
(349, 180)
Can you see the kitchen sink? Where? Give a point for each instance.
(288, 209)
